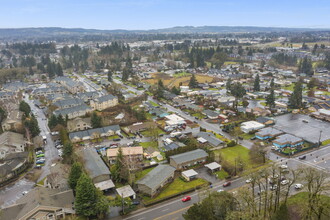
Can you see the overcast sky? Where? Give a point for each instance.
(150, 14)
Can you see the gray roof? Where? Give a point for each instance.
(68, 102)
(269, 131)
(39, 196)
(66, 111)
(189, 156)
(287, 138)
(105, 98)
(171, 146)
(210, 113)
(210, 138)
(89, 132)
(156, 176)
(94, 164)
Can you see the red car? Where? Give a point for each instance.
(186, 198)
(226, 184)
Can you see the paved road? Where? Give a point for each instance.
(12, 192)
(173, 209)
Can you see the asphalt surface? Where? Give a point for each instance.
(11, 193)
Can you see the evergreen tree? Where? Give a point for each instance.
(272, 83)
(75, 173)
(59, 70)
(31, 71)
(60, 120)
(305, 66)
(295, 100)
(67, 152)
(86, 197)
(96, 120)
(238, 91)
(228, 85)
(193, 82)
(270, 100)
(52, 121)
(161, 84)
(25, 108)
(32, 125)
(256, 86)
(175, 90)
(110, 75)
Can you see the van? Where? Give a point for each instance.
(304, 120)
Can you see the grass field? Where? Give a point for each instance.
(153, 103)
(231, 153)
(181, 74)
(147, 133)
(175, 81)
(177, 186)
(222, 174)
(149, 144)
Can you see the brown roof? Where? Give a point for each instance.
(126, 151)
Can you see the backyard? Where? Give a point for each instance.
(230, 154)
(176, 187)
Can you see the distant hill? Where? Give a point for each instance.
(57, 31)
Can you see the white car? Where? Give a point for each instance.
(273, 187)
(284, 182)
(248, 180)
(283, 166)
(220, 190)
(298, 186)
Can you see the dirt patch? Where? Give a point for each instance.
(34, 175)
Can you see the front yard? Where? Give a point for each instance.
(175, 188)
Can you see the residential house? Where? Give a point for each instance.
(41, 203)
(210, 114)
(268, 133)
(187, 159)
(104, 102)
(287, 140)
(12, 165)
(210, 138)
(265, 120)
(91, 134)
(152, 183)
(87, 96)
(79, 124)
(11, 142)
(72, 86)
(138, 127)
(131, 154)
(96, 169)
(68, 103)
(7, 96)
(13, 122)
(73, 112)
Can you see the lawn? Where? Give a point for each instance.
(181, 74)
(231, 153)
(198, 115)
(149, 144)
(147, 133)
(141, 174)
(326, 142)
(153, 103)
(113, 137)
(177, 186)
(247, 136)
(222, 174)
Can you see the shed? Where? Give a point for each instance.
(126, 191)
(214, 166)
(189, 174)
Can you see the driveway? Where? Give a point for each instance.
(204, 174)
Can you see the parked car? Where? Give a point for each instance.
(40, 155)
(248, 180)
(220, 190)
(240, 138)
(302, 157)
(228, 183)
(24, 193)
(186, 199)
(298, 186)
(116, 139)
(273, 187)
(284, 182)
(283, 166)
(253, 138)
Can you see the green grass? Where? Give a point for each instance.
(221, 174)
(41, 182)
(177, 186)
(149, 144)
(326, 142)
(247, 136)
(113, 137)
(198, 115)
(231, 153)
(141, 174)
(148, 133)
(153, 103)
(213, 89)
(182, 74)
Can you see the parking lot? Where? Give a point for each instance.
(303, 126)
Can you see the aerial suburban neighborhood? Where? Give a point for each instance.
(205, 122)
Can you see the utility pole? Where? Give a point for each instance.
(320, 138)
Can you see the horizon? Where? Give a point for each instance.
(160, 14)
